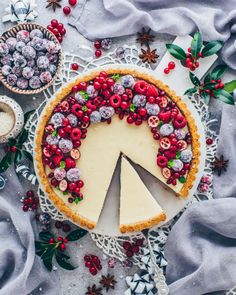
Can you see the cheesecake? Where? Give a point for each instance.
(93, 120)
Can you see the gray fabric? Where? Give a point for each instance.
(225, 185)
(112, 18)
(21, 272)
(201, 249)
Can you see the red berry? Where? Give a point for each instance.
(197, 64)
(209, 141)
(71, 186)
(130, 120)
(110, 82)
(142, 112)
(151, 99)
(62, 133)
(13, 149)
(129, 253)
(171, 65)
(80, 183)
(156, 136)
(66, 10)
(97, 85)
(63, 31)
(124, 105)
(55, 31)
(30, 194)
(72, 2)
(135, 249)
(93, 270)
(25, 208)
(151, 91)
(189, 49)
(54, 23)
(166, 71)
(98, 53)
(75, 66)
(115, 100)
(82, 86)
(141, 87)
(50, 28)
(60, 239)
(127, 245)
(62, 247)
(103, 74)
(97, 44)
(51, 241)
(75, 134)
(65, 241)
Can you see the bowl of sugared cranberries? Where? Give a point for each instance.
(30, 58)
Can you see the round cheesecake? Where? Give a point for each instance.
(103, 116)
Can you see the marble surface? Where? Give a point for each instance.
(77, 281)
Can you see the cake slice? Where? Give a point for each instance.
(138, 208)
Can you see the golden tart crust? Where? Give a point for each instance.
(62, 93)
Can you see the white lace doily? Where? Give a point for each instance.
(112, 246)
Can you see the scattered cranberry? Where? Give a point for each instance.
(166, 71)
(97, 44)
(57, 29)
(209, 141)
(98, 53)
(66, 10)
(132, 248)
(171, 65)
(93, 263)
(72, 2)
(30, 202)
(75, 66)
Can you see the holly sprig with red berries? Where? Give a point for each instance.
(196, 51)
(49, 246)
(212, 86)
(14, 150)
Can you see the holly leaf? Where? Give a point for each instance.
(224, 96)
(49, 251)
(196, 44)
(23, 136)
(27, 115)
(63, 263)
(5, 162)
(76, 234)
(206, 97)
(48, 262)
(207, 79)
(230, 86)
(28, 155)
(12, 141)
(218, 72)
(194, 79)
(209, 85)
(40, 245)
(190, 91)
(18, 156)
(45, 236)
(176, 51)
(212, 48)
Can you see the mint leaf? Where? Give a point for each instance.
(62, 164)
(115, 77)
(132, 107)
(84, 94)
(212, 48)
(54, 133)
(84, 108)
(196, 44)
(176, 51)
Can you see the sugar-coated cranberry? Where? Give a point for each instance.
(66, 10)
(97, 44)
(54, 23)
(98, 53)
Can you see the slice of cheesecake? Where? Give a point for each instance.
(138, 208)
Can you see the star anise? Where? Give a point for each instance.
(145, 37)
(93, 290)
(148, 55)
(108, 282)
(220, 165)
(54, 4)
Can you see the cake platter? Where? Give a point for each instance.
(108, 223)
